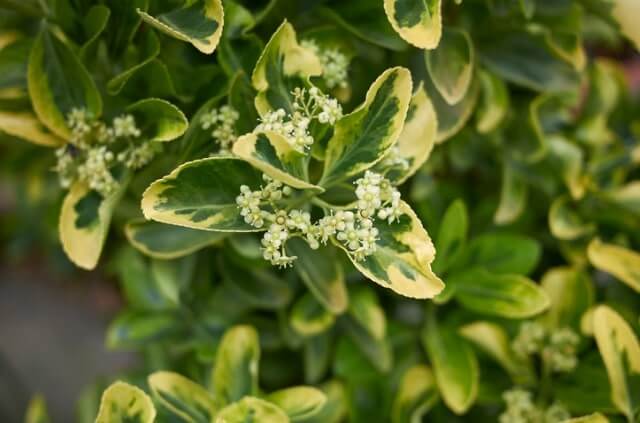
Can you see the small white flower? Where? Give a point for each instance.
(334, 64)
(125, 127)
(222, 121)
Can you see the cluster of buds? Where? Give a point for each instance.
(307, 105)
(520, 408)
(353, 228)
(95, 148)
(394, 160)
(558, 348)
(334, 64)
(222, 121)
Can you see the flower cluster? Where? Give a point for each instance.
(558, 349)
(355, 229)
(222, 121)
(334, 64)
(307, 105)
(394, 159)
(522, 409)
(95, 148)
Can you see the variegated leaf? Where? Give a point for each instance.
(565, 223)
(26, 126)
(417, 138)
(158, 119)
(282, 66)
(163, 241)
(202, 195)
(84, 222)
(513, 196)
(416, 395)
(272, 154)
(335, 408)
(364, 136)
(58, 82)
(627, 13)
(591, 418)
(309, 317)
(250, 409)
(620, 351)
(183, 397)
(571, 292)
(298, 402)
(417, 22)
(235, 374)
(122, 402)
(450, 66)
(403, 257)
(198, 22)
(37, 411)
(621, 262)
(494, 102)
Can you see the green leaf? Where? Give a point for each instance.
(201, 194)
(418, 22)
(620, 351)
(318, 353)
(168, 241)
(146, 50)
(309, 317)
(513, 196)
(26, 126)
(452, 236)
(322, 273)
(133, 329)
(416, 395)
(282, 66)
(158, 119)
(494, 102)
(122, 402)
(511, 296)
(250, 409)
(494, 341)
(94, 24)
(183, 397)
(199, 22)
(451, 65)
(591, 418)
(14, 57)
(417, 138)
(37, 410)
(335, 407)
(299, 402)
(565, 223)
(58, 82)
(571, 292)
(273, 155)
(621, 262)
(259, 288)
(500, 253)
(403, 257)
(364, 136)
(235, 374)
(84, 223)
(454, 364)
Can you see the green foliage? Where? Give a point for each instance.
(317, 147)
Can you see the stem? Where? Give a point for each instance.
(295, 202)
(545, 383)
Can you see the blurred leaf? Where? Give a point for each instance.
(299, 402)
(621, 262)
(451, 65)
(123, 402)
(183, 397)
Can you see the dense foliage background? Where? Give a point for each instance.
(487, 151)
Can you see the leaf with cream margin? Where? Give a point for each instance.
(454, 364)
(183, 397)
(571, 293)
(627, 14)
(418, 22)
(26, 126)
(492, 339)
(363, 137)
(416, 395)
(403, 257)
(164, 241)
(309, 317)
(235, 373)
(273, 155)
(282, 66)
(158, 120)
(450, 66)
(417, 138)
(620, 351)
(122, 402)
(591, 418)
(252, 409)
(335, 408)
(494, 102)
(510, 296)
(322, 273)
(84, 222)
(298, 402)
(513, 196)
(565, 223)
(199, 22)
(37, 410)
(201, 194)
(621, 262)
